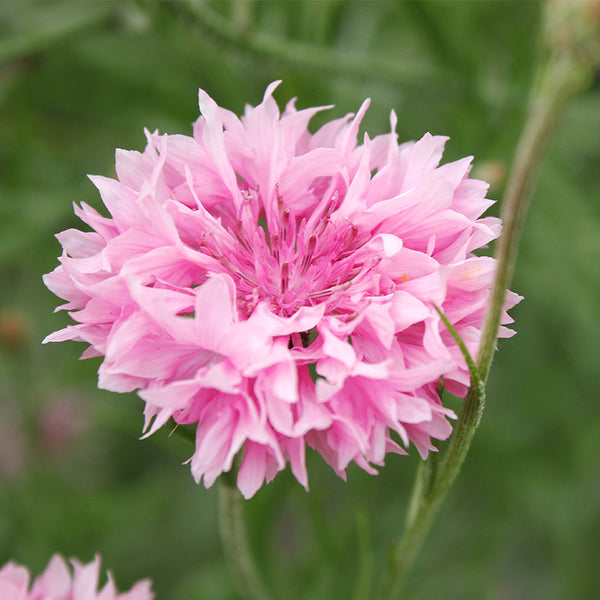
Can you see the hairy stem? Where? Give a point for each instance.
(431, 486)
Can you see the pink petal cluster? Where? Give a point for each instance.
(277, 287)
(57, 583)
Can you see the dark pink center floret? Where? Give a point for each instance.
(292, 261)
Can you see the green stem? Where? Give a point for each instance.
(557, 83)
(430, 491)
(233, 531)
(235, 540)
(558, 79)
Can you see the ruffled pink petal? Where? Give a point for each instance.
(276, 288)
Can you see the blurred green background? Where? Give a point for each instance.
(77, 80)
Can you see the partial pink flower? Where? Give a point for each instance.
(57, 583)
(277, 287)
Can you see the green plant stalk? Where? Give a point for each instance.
(427, 499)
(558, 79)
(235, 540)
(561, 78)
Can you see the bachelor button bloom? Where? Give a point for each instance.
(56, 583)
(277, 288)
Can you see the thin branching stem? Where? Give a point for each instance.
(431, 486)
(558, 78)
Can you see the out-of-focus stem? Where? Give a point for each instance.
(304, 55)
(364, 570)
(235, 541)
(25, 43)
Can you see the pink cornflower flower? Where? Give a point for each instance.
(57, 583)
(277, 288)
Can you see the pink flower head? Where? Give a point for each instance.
(277, 288)
(56, 583)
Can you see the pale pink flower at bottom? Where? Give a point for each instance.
(57, 583)
(277, 288)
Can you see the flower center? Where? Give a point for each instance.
(293, 261)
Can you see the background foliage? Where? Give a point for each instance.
(78, 79)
